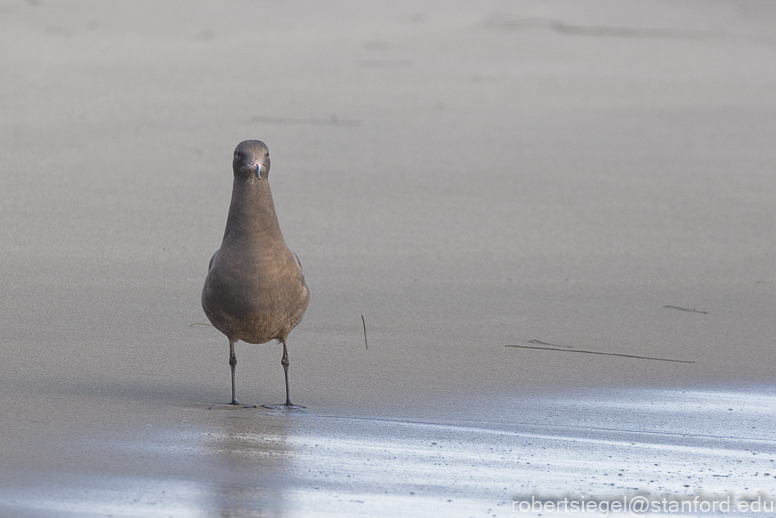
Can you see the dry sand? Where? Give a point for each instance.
(466, 176)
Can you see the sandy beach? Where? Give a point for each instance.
(556, 219)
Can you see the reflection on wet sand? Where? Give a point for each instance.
(258, 462)
(251, 452)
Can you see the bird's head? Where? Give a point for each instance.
(251, 159)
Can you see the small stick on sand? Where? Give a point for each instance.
(596, 352)
(551, 345)
(364, 322)
(693, 310)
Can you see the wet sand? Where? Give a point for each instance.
(466, 177)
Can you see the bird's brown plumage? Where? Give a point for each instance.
(255, 290)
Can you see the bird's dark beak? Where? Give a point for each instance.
(258, 169)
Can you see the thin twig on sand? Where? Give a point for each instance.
(693, 310)
(595, 352)
(366, 346)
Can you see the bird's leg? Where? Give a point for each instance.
(233, 364)
(284, 362)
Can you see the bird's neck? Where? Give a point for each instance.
(252, 212)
